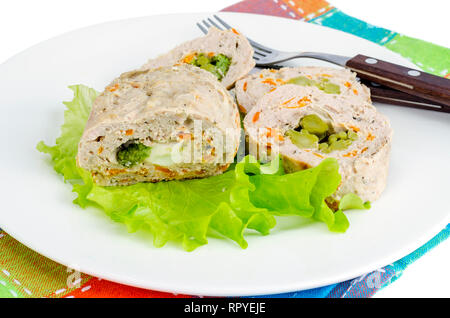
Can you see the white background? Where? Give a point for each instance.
(24, 23)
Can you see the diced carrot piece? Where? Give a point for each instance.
(302, 102)
(351, 153)
(113, 172)
(269, 81)
(317, 155)
(188, 58)
(273, 133)
(288, 101)
(255, 117)
(163, 169)
(113, 88)
(185, 136)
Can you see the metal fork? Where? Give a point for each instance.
(265, 56)
(415, 88)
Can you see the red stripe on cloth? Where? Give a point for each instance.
(96, 288)
(276, 8)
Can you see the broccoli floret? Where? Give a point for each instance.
(131, 154)
(222, 64)
(218, 64)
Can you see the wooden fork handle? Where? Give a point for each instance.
(410, 81)
(386, 95)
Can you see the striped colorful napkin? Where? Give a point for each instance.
(429, 57)
(24, 273)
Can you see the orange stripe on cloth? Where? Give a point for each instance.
(308, 8)
(99, 288)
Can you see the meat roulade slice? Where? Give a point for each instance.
(332, 81)
(226, 54)
(174, 122)
(305, 125)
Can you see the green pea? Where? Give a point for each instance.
(303, 139)
(202, 60)
(342, 135)
(314, 125)
(331, 88)
(302, 81)
(332, 138)
(340, 144)
(209, 67)
(323, 146)
(324, 84)
(352, 135)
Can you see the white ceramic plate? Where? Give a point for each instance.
(36, 204)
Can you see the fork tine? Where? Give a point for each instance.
(260, 52)
(226, 25)
(260, 47)
(206, 23)
(215, 24)
(255, 45)
(202, 28)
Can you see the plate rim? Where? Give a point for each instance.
(425, 237)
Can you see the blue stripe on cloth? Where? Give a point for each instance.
(338, 20)
(369, 284)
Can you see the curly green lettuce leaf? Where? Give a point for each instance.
(246, 197)
(176, 210)
(301, 193)
(186, 210)
(75, 117)
(351, 201)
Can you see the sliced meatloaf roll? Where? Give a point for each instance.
(332, 81)
(226, 54)
(174, 122)
(305, 125)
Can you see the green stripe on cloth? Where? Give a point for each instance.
(7, 289)
(430, 57)
(33, 275)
